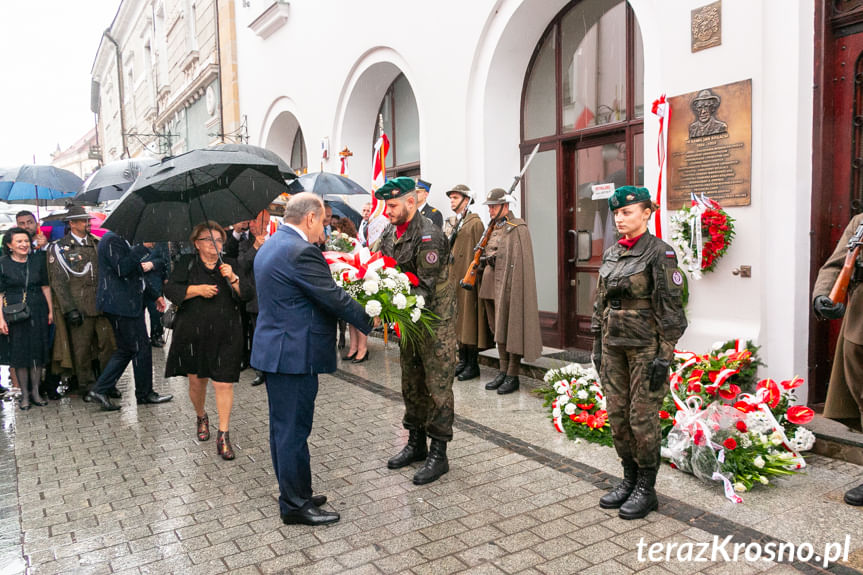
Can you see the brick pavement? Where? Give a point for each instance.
(135, 492)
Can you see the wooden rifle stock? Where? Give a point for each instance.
(840, 288)
(468, 282)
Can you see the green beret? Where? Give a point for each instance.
(395, 188)
(627, 195)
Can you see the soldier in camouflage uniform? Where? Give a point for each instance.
(638, 318)
(420, 247)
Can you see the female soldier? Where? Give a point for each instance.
(637, 320)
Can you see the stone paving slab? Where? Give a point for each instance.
(135, 492)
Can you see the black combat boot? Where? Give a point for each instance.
(462, 360)
(415, 450)
(471, 368)
(497, 381)
(436, 464)
(509, 385)
(855, 496)
(643, 499)
(618, 496)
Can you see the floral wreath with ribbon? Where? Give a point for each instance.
(702, 233)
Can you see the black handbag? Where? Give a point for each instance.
(13, 313)
(169, 316)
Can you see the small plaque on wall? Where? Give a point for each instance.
(706, 26)
(710, 145)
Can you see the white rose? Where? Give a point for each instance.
(558, 388)
(569, 408)
(776, 438)
(759, 462)
(763, 479)
(370, 287)
(372, 276)
(562, 399)
(421, 302)
(582, 394)
(389, 284)
(400, 301)
(416, 313)
(374, 308)
(739, 487)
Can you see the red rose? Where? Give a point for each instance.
(390, 262)
(664, 414)
(799, 414)
(730, 443)
(741, 426)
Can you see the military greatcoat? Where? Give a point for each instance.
(471, 325)
(845, 392)
(427, 367)
(638, 314)
(73, 276)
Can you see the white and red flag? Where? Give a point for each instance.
(378, 219)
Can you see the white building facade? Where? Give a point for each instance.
(469, 88)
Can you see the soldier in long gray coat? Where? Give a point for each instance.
(637, 319)
(82, 333)
(845, 393)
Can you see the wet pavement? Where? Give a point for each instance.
(84, 491)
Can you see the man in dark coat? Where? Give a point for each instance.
(160, 256)
(508, 289)
(423, 189)
(465, 230)
(421, 248)
(82, 333)
(259, 231)
(121, 298)
(845, 392)
(294, 342)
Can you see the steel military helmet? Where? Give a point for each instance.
(496, 197)
(461, 189)
(626, 196)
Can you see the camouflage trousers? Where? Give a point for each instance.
(427, 370)
(632, 408)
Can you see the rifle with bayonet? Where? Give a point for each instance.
(840, 288)
(468, 282)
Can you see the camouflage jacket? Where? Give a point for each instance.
(422, 250)
(639, 296)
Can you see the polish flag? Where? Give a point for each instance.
(378, 219)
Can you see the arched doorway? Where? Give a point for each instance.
(402, 125)
(285, 137)
(583, 103)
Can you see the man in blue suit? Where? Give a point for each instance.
(298, 304)
(120, 297)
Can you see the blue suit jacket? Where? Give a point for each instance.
(298, 304)
(121, 279)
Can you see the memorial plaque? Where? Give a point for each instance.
(710, 145)
(706, 26)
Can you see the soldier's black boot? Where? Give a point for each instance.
(471, 368)
(436, 464)
(497, 381)
(643, 499)
(855, 496)
(509, 385)
(462, 360)
(415, 450)
(618, 496)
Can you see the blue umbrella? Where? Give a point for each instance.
(38, 182)
(325, 183)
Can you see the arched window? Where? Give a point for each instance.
(402, 125)
(299, 161)
(583, 103)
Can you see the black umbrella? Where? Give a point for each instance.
(111, 181)
(343, 210)
(286, 170)
(325, 183)
(170, 198)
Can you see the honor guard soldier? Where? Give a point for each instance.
(637, 319)
(82, 333)
(508, 291)
(423, 189)
(420, 247)
(845, 392)
(465, 230)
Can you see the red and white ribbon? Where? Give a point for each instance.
(661, 109)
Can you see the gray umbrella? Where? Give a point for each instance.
(111, 181)
(325, 183)
(170, 198)
(270, 155)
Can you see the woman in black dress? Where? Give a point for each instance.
(208, 330)
(24, 344)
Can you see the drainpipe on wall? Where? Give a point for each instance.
(219, 73)
(107, 34)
